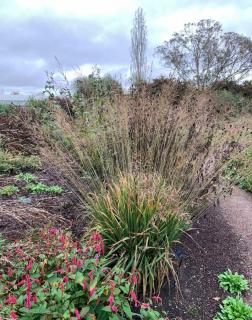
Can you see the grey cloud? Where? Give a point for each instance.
(72, 41)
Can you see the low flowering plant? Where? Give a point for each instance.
(55, 277)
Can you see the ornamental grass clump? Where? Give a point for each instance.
(140, 222)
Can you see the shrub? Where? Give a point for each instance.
(239, 170)
(6, 109)
(9, 190)
(27, 177)
(140, 225)
(235, 100)
(232, 282)
(234, 309)
(37, 188)
(97, 87)
(54, 277)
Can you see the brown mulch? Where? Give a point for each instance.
(25, 210)
(17, 136)
(219, 241)
(16, 219)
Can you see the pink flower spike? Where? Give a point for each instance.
(145, 306)
(13, 315)
(28, 304)
(77, 314)
(91, 274)
(53, 231)
(157, 299)
(66, 279)
(29, 266)
(111, 300)
(114, 309)
(97, 236)
(134, 297)
(85, 285)
(11, 299)
(34, 298)
(62, 239)
(10, 272)
(92, 291)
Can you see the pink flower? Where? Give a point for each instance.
(134, 297)
(92, 291)
(29, 266)
(19, 251)
(145, 306)
(28, 301)
(112, 285)
(135, 279)
(97, 236)
(84, 285)
(157, 299)
(13, 315)
(62, 239)
(77, 314)
(34, 298)
(11, 299)
(20, 283)
(53, 231)
(91, 274)
(111, 300)
(114, 309)
(10, 272)
(66, 279)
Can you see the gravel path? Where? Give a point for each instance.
(222, 239)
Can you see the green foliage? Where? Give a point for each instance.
(38, 188)
(234, 308)
(245, 183)
(9, 190)
(97, 87)
(239, 170)
(27, 177)
(12, 163)
(53, 277)
(139, 224)
(233, 282)
(235, 100)
(6, 109)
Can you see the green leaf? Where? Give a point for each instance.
(79, 278)
(84, 311)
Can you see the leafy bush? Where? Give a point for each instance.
(54, 277)
(6, 109)
(27, 177)
(37, 188)
(245, 183)
(139, 224)
(12, 163)
(234, 309)
(235, 100)
(9, 190)
(97, 87)
(232, 282)
(239, 170)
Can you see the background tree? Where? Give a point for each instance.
(138, 48)
(95, 86)
(204, 54)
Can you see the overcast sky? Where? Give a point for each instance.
(81, 33)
